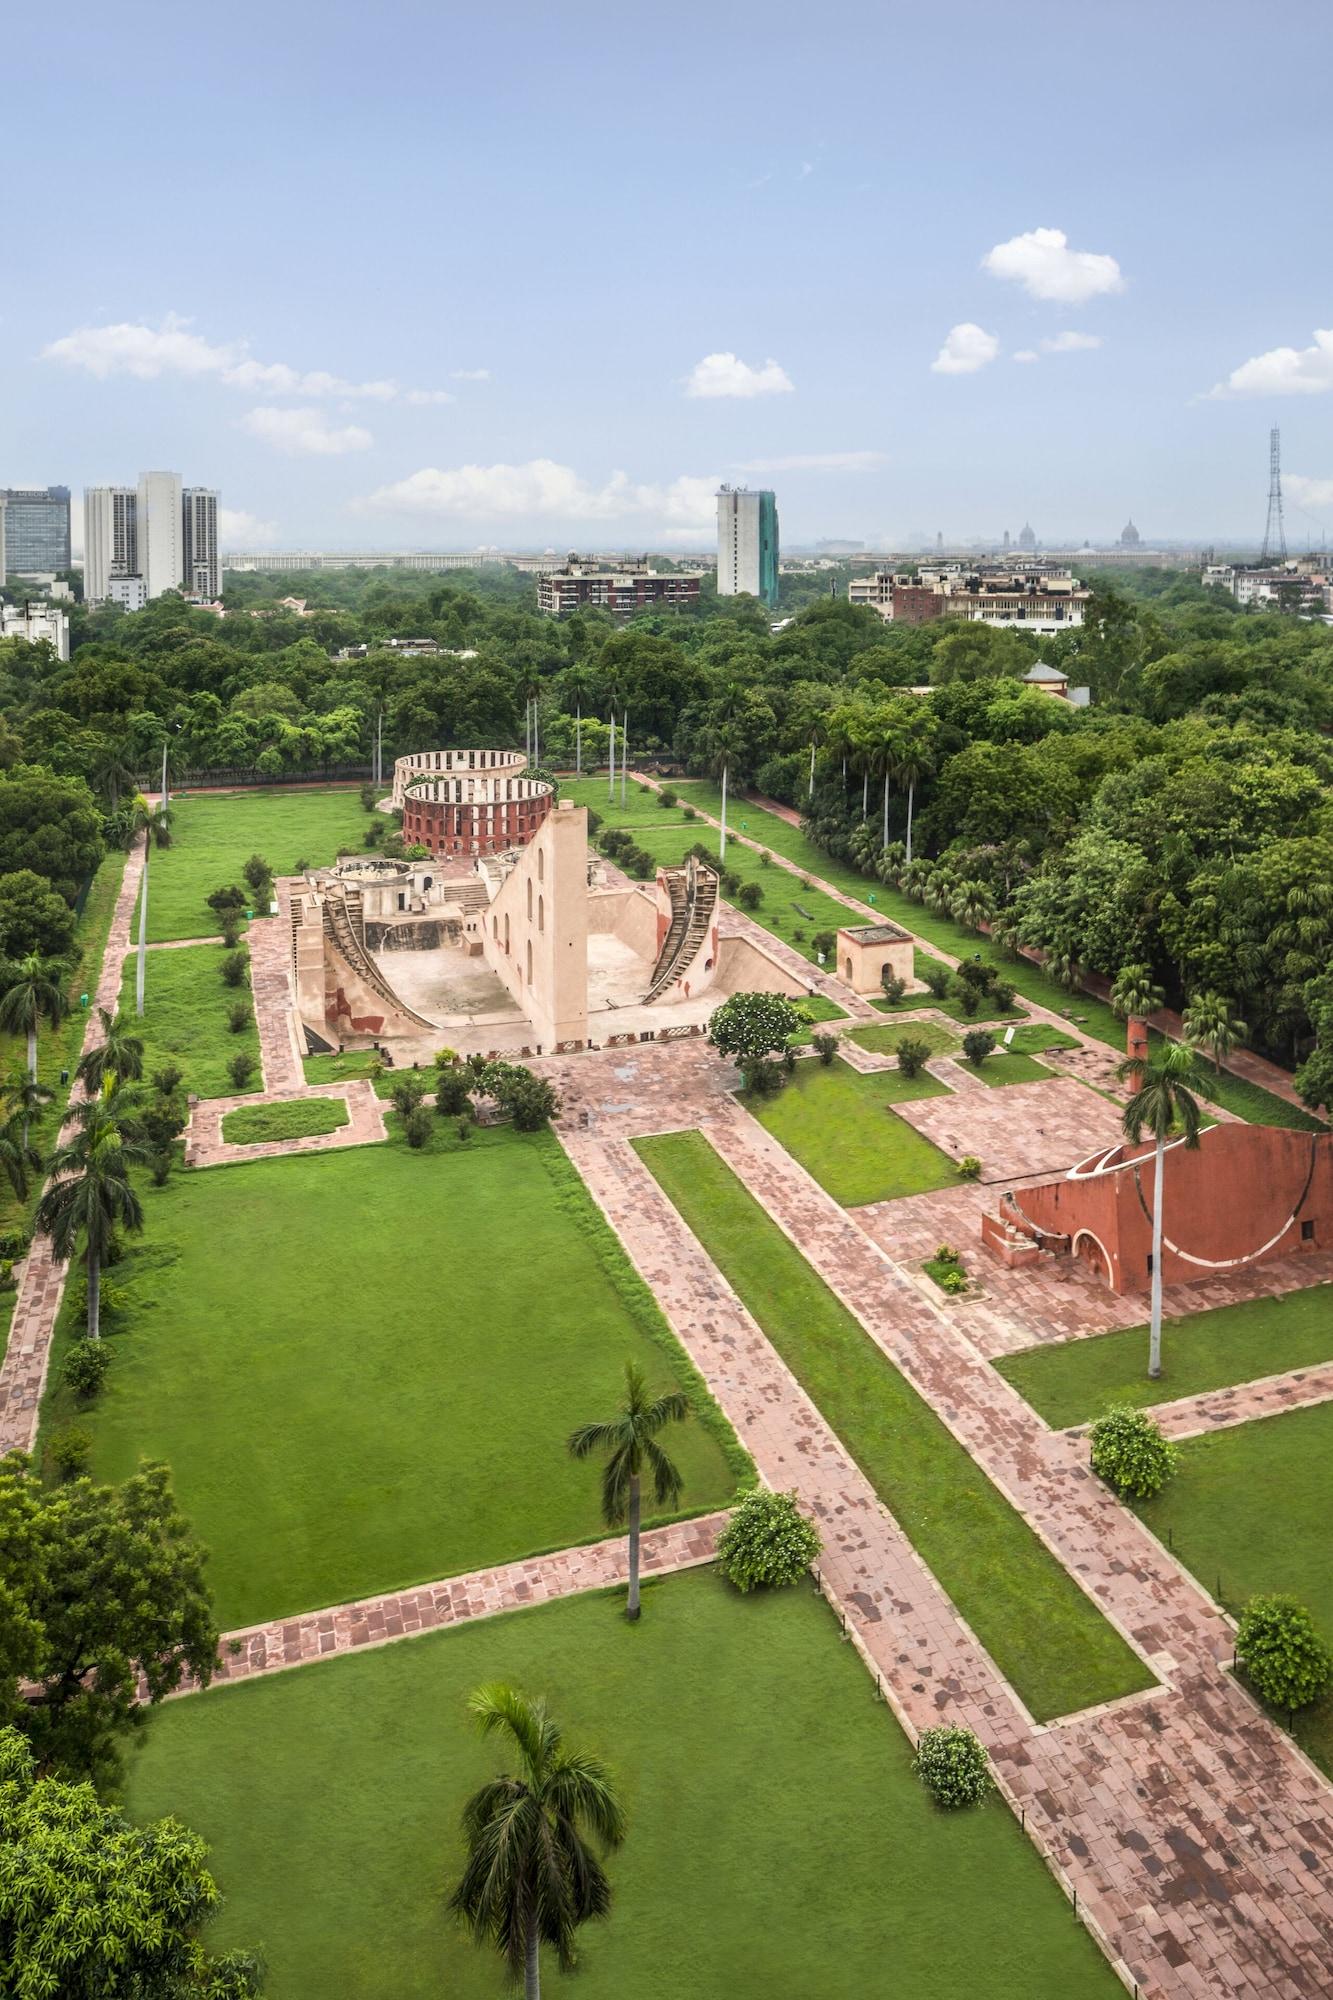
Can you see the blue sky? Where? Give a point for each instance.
(429, 275)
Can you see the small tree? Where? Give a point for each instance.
(825, 1047)
(90, 1195)
(452, 1099)
(939, 980)
(894, 987)
(767, 1542)
(629, 1440)
(752, 1026)
(239, 1016)
(259, 875)
(34, 997)
(1285, 1660)
(977, 1045)
(417, 1127)
(1135, 991)
(241, 1068)
(406, 1092)
(1131, 1453)
(953, 1766)
(1212, 1023)
(234, 968)
(118, 1056)
(822, 943)
(912, 1056)
(749, 895)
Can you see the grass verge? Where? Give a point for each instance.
(185, 1019)
(304, 1118)
(214, 835)
(1044, 1634)
(842, 1128)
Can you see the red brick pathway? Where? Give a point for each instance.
(206, 1147)
(1198, 1839)
(42, 1284)
(374, 1621)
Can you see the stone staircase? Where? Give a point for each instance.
(344, 926)
(693, 893)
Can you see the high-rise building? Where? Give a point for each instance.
(110, 538)
(36, 529)
(161, 532)
(35, 623)
(747, 544)
(199, 542)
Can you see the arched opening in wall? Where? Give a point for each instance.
(529, 961)
(495, 927)
(1090, 1252)
(541, 913)
(541, 866)
(847, 968)
(529, 899)
(506, 930)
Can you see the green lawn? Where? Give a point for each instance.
(1010, 1066)
(884, 1041)
(305, 1118)
(778, 1842)
(338, 1068)
(1043, 1632)
(1033, 1038)
(1248, 1512)
(841, 1128)
(664, 833)
(362, 1365)
(213, 835)
(1073, 1381)
(185, 1018)
(914, 1003)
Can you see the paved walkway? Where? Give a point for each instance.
(429, 1607)
(1198, 1839)
(42, 1284)
(206, 1147)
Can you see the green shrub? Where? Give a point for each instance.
(239, 1016)
(85, 1368)
(825, 1047)
(594, 821)
(168, 1079)
(912, 1056)
(946, 1254)
(227, 899)
(1285, 1660)
(894, 988)
(229, 928)
(112, 1299)
(529, 1100)
(368, 798)
(666, 797)
(299, 867)
(1003, 995)
(749, 895)
(259, 875)
(14, 1243)
(1130, 1452)
(765, 858)
(417, 1127)
(70, 1451)
(953, 1766)
(234, 968)
(731, 882)
(241, 1068)
(768, 1543)
(977, 1045)
(823, 942)
(976, 973)
(969, 1168)
(764, 1077)
(969, 999)
(161, 1164)
(464, 1129)
(688, 812)
(407, 1092)
(939, 979)
(452, 1098)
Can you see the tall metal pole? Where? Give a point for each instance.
(624, 753)
(1275, 533)
(143, 926)
(611, 788)
(165, 800)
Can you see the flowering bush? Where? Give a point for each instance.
(953, 1766)
(1130, 1453)
(767, 1541)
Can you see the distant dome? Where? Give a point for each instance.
(1129, 536)
(1027, 538)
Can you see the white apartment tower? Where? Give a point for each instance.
(747, 544)
(199, 548)
(161, 532)
(110, 538)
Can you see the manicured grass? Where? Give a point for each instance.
(780, 837)
(770, 1799)
(362, 1365)
(841, 1128)
(338, 1068)
(185, 1018)
(915, 1003)
(884, 1041)
(305, 1118)
(818, 1011)
(1074, 1380)
(786, 909)
(213, 835)
(1248, 1512)
(1010, 1066)
(1033, 1038)
(1043, 1632)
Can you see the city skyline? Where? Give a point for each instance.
(1070, 346)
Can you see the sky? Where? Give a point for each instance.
(432, 276)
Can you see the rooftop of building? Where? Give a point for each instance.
(884, 933)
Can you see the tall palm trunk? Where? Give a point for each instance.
(911, 795)
(1155, 1331)
(143, 930)
(536, 732)
(94, 1294)
(578, 740)
(532, 1971)
(624, 751)
(611, 788)
(632, 1607)
(811, 792)
(32, 1067)
(722, 847)
(885, 841)
(865, 793)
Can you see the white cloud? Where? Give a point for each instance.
(1306, 492)
(1042, 262)
(238, 530)
(966, 348)
(816, 461)
(422, 397)
(1027, 354)
(728, 375)
(304, 432)
(470, 374)
(807, 168)
(1070, 343)
(149, 352)
(542, 488)
(1284, 371)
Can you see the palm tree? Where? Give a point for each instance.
(1135, 992)
(724, 744)
(34, 997)
(119, 1055)
(17, 1158)
(630, 1442)
(112, 774)
(1209, 1021)
(89, 1194)
(533, 1874)
(914, 762)
(24, 1098)
(1161, 1101)
(155, 824)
